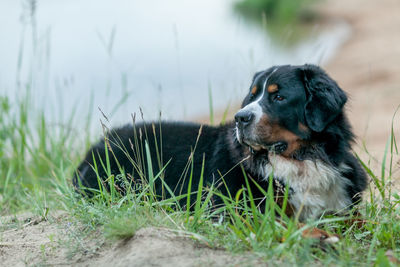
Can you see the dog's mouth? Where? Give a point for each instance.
(257, 147)
(274, 147)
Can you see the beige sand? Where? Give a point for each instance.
(58, 242)
(368, 66)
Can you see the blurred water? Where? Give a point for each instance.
(155, 54)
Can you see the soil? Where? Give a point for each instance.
(367, 67)
(34, 241)
(29, 240)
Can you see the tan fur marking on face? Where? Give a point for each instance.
(272, 88)
(303, 128)
(254, 90)
(270, 132)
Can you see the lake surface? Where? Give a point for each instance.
(81, 55)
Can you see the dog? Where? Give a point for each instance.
(291, 127)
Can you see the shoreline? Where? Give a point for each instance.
(366, 66)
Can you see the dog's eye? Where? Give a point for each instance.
(252, 96)
(278, 97)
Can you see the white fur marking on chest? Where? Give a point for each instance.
(317, 187)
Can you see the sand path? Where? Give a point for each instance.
(368, 66)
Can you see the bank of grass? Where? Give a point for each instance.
(286, 21)
(282, 11)
(38, 159)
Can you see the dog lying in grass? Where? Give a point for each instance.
(291, 131)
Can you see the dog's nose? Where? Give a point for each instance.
(244, 117)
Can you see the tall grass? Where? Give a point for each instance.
(33, 155)
(240, 225)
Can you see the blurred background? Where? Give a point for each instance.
(193, 60)
(169, 56)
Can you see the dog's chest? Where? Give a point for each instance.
(315, 186)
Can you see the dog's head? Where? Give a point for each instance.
(285, 106)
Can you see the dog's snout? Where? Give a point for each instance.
(244, 117)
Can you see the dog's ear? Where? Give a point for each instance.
(325, 99)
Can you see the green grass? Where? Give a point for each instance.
(38, 160)
(277, 11)
(286, 21)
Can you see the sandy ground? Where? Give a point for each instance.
(33, 241)
(367, 67)
(29, 240)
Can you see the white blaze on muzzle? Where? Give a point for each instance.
(255, 106)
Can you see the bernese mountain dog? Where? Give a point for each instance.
(291, 127)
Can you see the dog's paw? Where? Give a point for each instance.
(321, 235)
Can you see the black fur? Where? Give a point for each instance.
(311, 98)
(215, 145)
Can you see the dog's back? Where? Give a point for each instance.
(177, 152)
